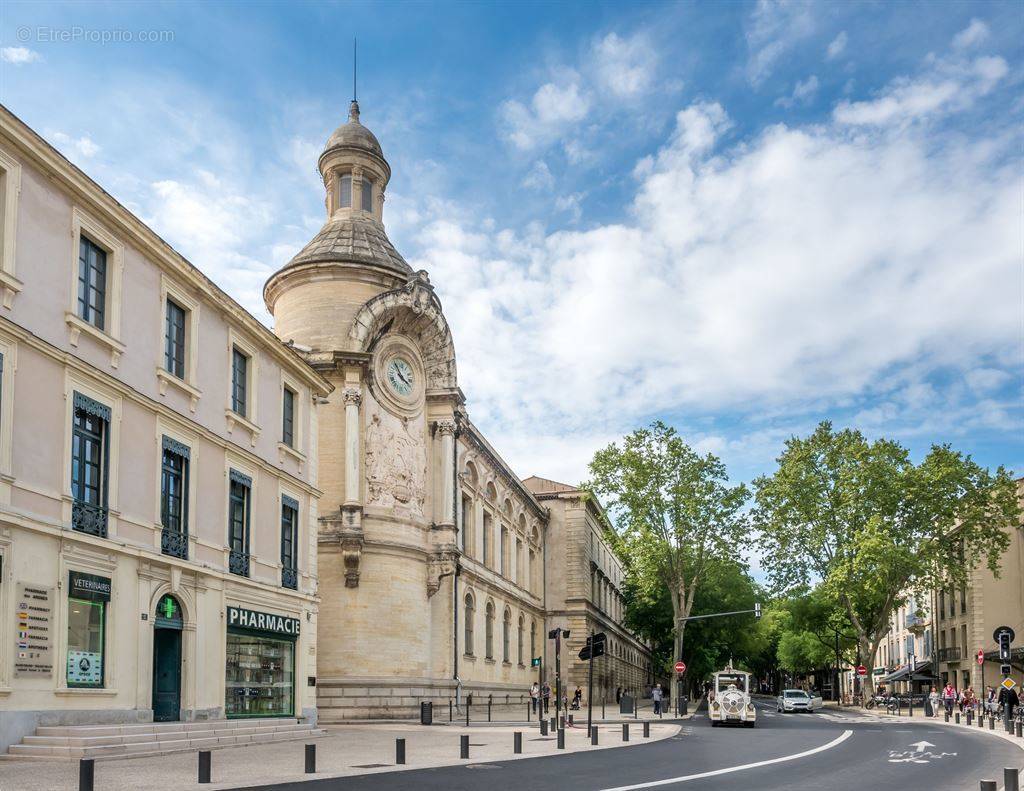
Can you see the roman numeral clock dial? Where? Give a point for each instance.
(400, 377)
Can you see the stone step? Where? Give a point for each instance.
(157, 727)
(36, 751)
(160, 736)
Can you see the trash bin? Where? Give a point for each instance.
(426, 712)
(626, 704)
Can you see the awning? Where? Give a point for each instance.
(921, 673)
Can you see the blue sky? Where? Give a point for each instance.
(739, 217)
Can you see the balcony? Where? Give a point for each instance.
(174, 543)
(238, 563)
(89, 518)
(950, 654)
(289, 578)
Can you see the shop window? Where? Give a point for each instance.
(88, 596)
(174, 498)
(260, 679)
(289, 541)
(89, 465)
(239, 499)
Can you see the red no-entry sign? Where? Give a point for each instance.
(981, 657)
(680, 667)
(861, 670)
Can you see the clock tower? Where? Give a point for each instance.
(352, 307)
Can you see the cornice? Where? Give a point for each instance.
(473, 436)
(148, 242)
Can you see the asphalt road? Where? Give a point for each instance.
(833, 751)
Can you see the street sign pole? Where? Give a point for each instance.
(540, 687)
(558, 677)
(590, 684)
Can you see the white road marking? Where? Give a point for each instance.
(684, 778)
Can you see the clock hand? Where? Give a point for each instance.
(402, 377)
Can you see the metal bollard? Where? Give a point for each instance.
(543, 727)
(399, 751)
(451, 710)
(1020, 729)
(561, 721)
(946, 715)
(625, 731)
(528, 712)
(1011, 779)
(910, 703)
(635, 714)
(989, 785)
(553, 724)
(561, 738)
(204, 766)
(593, 735)
(310, 759)
(464, 746)
(517, 742)
(571, 723)
(467, 713)
(488, 708)
(647, 729)
(991, 722)
(86, 774)
(970, 716)
(956, 717)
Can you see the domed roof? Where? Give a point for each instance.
(354, 135)
(353, 240)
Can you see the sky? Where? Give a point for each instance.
(740, 218)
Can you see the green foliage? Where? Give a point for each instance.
(872, 526)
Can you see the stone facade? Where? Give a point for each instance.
(59, 370)
(584, 594)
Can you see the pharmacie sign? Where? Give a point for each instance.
(240, 618)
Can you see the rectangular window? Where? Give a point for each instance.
(367, 196)
(86, 638)
(238, 523)
(963, 599)
(260, 676)
(174, 499)
(239, 374)
(89, 466)
(289, 542)
(464, 528)
(92, 282)
(288, 418)
(174, 340)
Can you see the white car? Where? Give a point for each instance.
(797, 700)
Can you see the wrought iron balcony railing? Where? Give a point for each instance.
(949, 654)
(238, 563)
(174, 543)
(289, 578)
(89, 518)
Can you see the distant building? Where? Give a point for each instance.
(583, 583)
(904, 658)
(966, 618)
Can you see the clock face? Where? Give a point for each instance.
(400, 376)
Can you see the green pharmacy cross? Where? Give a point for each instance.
(168, 608)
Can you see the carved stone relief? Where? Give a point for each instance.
(396, 462)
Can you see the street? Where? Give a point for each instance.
(831, 749)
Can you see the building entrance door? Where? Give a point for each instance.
(167, 661)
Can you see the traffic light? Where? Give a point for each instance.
(1004, 647)
(535, 661)
(757, 609)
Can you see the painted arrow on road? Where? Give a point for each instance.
(919, 746)
(919, 754)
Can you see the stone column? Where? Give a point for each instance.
(447, 430)
(353, 474)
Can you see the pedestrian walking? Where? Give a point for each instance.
(1009, 700)
(657, 695)
(577, 698)
(969, 699)
(618, 695)
(534, 695)
(933, 698)
(990, 700)
(546, 694)
(949, 696)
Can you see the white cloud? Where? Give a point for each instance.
(803, 93)
(74, 148)
(973, 34)
(948, 86)
(539, 177)
(837, 46)
(626, 67)
(571, 204)
(19, 56)
(774, 27)
(554, 108)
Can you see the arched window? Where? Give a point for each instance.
(503, 552)
(488, 541)
(506, 636)
(489, 630)
(470, 613)
(519, 640)
(367, 199)
(345, 190)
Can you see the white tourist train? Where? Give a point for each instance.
(729, 699)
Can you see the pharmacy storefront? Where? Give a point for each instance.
(260, 680)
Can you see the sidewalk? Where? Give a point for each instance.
(940, 721)
(345, 750)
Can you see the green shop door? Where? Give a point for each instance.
(167, 661)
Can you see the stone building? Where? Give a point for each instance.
(158, 466)
(967, 618)
(903, 661)
(583, 585)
